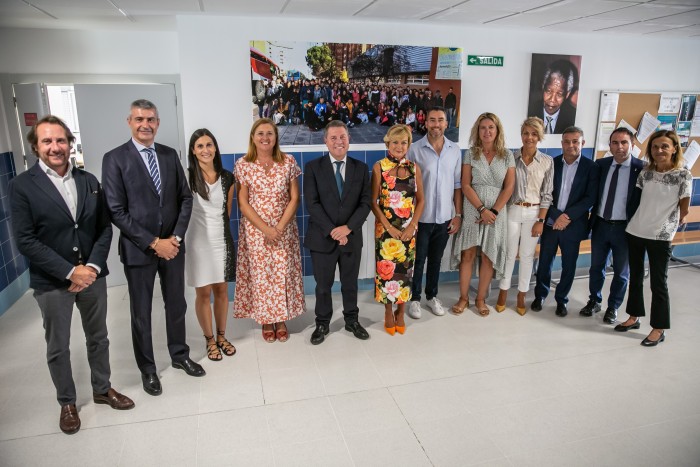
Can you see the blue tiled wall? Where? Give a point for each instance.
(12, 264)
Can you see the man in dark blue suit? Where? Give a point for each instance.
(618, 199)
(337, 197)
(150, 202)
(566, 225)
(62, 227)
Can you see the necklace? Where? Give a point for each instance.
(265, 165)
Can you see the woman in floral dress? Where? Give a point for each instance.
(397, 194)
(269, 285)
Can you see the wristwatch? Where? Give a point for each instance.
(540, 220)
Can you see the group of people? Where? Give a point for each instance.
(497, 205)
(316, 102)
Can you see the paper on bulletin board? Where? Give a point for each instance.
(667, 122)
(691, 154)
(624, 124)
(646, 127)
(683, 132)
(449, 63)
(695, 127)
(636, 152)
(606, 130)
(670, 103)
(608, 106)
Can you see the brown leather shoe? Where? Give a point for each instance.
(113, 399)
(69, 422)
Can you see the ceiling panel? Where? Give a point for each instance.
(637, 28)
(389, 10)
(470, 17)
(49, 5)
(332, 8)
(679, 2)
(680, 32)
(686, 19)
(245, 7)
(584, 25)
(134, 6)
(645, 12)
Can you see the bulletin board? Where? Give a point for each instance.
(616, 106)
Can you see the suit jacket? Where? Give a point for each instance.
(46, 233)
(583, 194)
(327, 210)
(633, 193)
(134, 205)
(567, 115)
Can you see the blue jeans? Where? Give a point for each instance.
(431, 241)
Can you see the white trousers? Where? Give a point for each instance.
(520, 222)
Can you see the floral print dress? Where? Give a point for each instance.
(394, 257)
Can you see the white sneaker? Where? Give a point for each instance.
(414, 309)
(436, 307)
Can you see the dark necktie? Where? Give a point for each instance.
(607, 211)
(339, 176)
(153, 168)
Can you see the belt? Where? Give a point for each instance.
(612, 222)
(526, 205)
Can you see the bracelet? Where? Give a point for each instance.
(481, 209)
(459, 215)
(493, 211)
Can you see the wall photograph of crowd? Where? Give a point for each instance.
(302, 86)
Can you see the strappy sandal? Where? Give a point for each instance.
(213, 352)
(281, 334)
(224, 345)
(483, 310)
(458, 309)
(269, 334)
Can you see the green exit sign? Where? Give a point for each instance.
(484, 60)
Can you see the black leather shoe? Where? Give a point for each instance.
(591, 307)
(610, 316)
(190, 367)
(561, 310)
(357, 329)
(649, 343)
(151, 384)
(319, 334)
(623, 328)
(536, 304)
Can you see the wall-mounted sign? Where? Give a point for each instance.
(30, 119)
(484, 60)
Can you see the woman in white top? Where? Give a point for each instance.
(210, 260)
(527, 209)
(664, 204)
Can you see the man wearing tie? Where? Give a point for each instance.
(62, 227)
(575, 189)
(337, 197)
(618, 199)
(150, 202)
(554, 107)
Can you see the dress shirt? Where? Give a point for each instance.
(619, 210)
(441, 176)
(567, 179)
(68, 191)
(533, 183)
(344, 161)
(554, 117)
(144, 157)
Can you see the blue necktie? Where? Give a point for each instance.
(339, 176)
(153, 168)
(607, 211)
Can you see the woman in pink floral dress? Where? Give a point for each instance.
(269, 285)
(397, 204)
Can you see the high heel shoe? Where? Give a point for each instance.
(458, 309)
(481, 307)
(391, 330)
(520, 307)
(650, 343)
(501, 302)
(399, 329)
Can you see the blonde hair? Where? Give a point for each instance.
(396, 132)
(677, 158)
(499, 143)
(252, 154)
(535, 123)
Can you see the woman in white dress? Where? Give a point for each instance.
(210, 259)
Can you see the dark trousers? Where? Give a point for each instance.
(141, 280)
(324, 264)
(57, 310)
(550, 241)
(431, 241)
(607, 238)
(659, 253)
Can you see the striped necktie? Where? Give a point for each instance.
(550, 130)
(153, 168)
(339, 177)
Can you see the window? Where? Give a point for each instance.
(417, 79)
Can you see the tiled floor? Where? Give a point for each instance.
(455, 390)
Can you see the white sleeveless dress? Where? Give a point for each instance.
(206, 247)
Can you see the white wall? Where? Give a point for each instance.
(215, 71)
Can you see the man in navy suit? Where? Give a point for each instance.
(62, 227)
(566, 225)
(150, 202)
(337, 197)
(618, 199)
